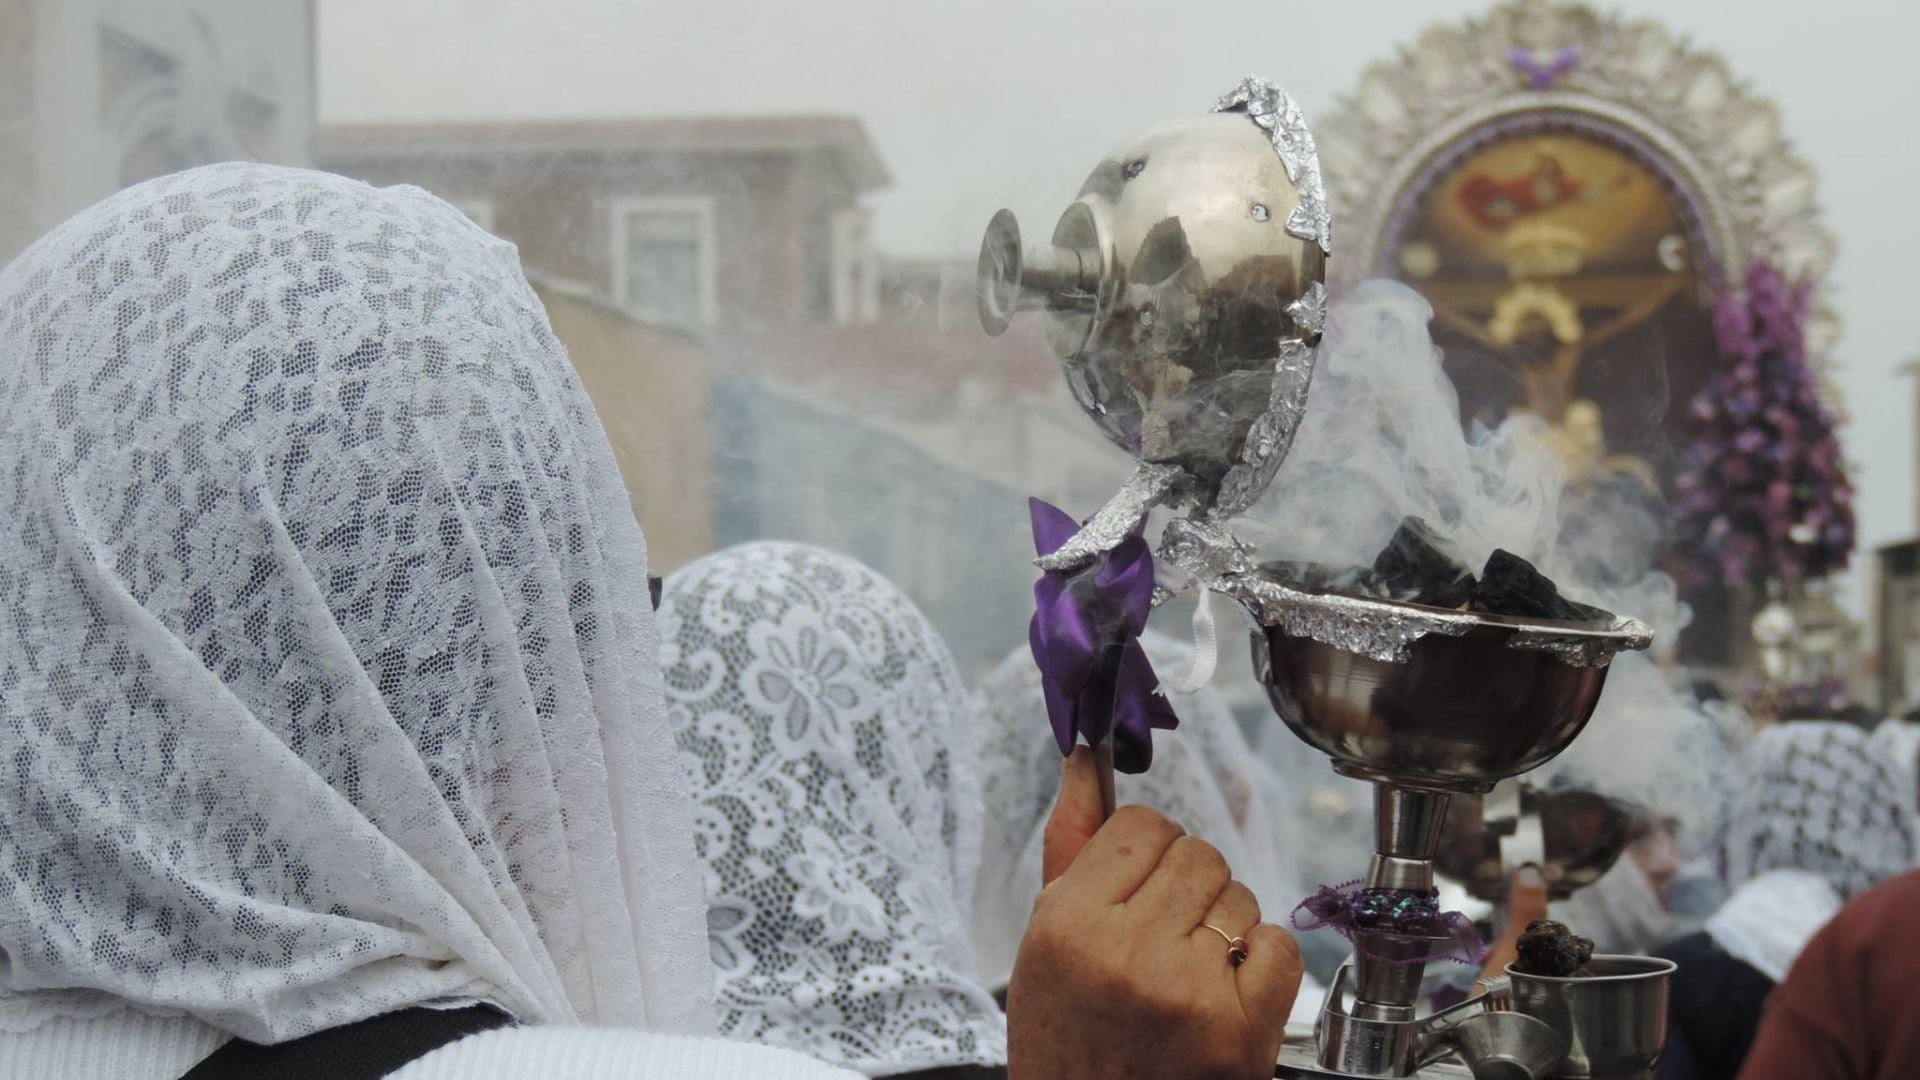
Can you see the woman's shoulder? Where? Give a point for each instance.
(121, 1044)
(587, 1053)
(1873, 941)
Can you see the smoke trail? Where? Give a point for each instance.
(1382, 440)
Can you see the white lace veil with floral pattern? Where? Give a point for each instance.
(1822, 816)
(836, 809)
(1821, 797)
(327, 680)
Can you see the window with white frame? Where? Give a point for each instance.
(855, 270)
(663, 264)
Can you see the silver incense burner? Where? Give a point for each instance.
(1184, 293)
(1447, 713)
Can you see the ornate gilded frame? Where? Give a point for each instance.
(1542, 65)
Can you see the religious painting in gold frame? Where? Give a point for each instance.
(1602, 95)
(1563, 275)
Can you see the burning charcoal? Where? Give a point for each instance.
(1413, 568)
(1549, 948)
(1509, 585)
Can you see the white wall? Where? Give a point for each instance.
(87, 113)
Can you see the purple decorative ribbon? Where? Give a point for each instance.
(1349, 910)
(1085, 636)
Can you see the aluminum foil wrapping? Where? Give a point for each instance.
(1269, 437)
(1385, 631)
(1309, 312)
(1286, 124)
(1587, 650)
(1151, 485)
(1271, 434)
(1205, 549)
(1369, 628)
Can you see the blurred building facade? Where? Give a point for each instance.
(650, 387)
(912, 443)
(694, 223)
(762, 371)
(99, 94)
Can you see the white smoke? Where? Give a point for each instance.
(1382, 441)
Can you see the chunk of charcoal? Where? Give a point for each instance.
(1509, 585)
(1550, 948)
(1412, 567)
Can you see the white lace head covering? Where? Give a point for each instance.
(1898, 743)
(1819, 797)
(836, 807)
(1204, 777)
(327, 679)
(1822, 815)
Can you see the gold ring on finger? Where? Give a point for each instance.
(1236, 946)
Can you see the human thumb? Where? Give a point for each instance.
(1076, 815)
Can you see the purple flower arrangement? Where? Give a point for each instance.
(1762, 494)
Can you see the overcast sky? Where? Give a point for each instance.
(1008, 102)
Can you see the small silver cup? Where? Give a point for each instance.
(1614, 1018)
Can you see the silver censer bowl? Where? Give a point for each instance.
(1453, 711)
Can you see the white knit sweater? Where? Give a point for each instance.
(134, 1046)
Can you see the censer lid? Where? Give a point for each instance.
(1184, 291)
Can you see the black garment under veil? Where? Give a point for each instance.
(1715, 1007)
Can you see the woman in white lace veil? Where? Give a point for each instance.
(1204, 777)
(836, 808)
(1821, 816)
(327, 680)
(1898, 741)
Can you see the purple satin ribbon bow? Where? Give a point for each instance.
(1085, 636)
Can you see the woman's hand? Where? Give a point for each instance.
(1118, 976)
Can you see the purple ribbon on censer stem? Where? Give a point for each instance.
(1349, 909)
(1085, 637)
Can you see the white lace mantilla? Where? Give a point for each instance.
(327, 679)
(836, 808)
(1823, 798)
(1769, 920)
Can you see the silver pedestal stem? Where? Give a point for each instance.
(1388, 967)
(1406, 835)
